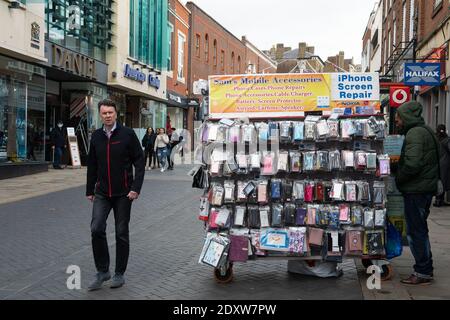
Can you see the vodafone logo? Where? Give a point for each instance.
(399, 95)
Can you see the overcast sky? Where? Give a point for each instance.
(328, 25)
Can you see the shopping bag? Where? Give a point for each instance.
(394, 246)
(200, 179)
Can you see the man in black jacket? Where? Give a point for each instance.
(58, 139)
(113, 152)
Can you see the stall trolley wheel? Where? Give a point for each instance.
(387, 271)
(224, 274)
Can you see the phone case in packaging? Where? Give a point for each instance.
(338, 190)
(248, 133)
(371, 161)
(354, 242)
(214, 212)
(374, 242)
(350, 191)
(277, 215)
(335, 245)
(254, 221)
(333, 221)
(344, 214)
(357, 215)
(255, 162)
(249, 189)
(347, 129)
(297, 240)
(217, 195)
(379, 193)
(273, 131)
(229, 191)
(240, 216)
(380, 217)
(322, 129)
(309, 192)
(369, 218)
(212, 132)
(310, 130)
(299, 128)
(223, 218)
(286, 190)
(335, 160)
(311, 214)
(275, 189)
(268, 164)
(264, 216)
(319, 192)
(348, 158)
(242, 160)
(263, 191)
(222, 133)
(298, 192)
(234, 134)
(205, 133)
(323, 217)
(309, 160)
(263, 132)
(289, 214)
(283, 161)
(322, 161)
(300, 216)
(359, 127)
(241, 197)
(363, 194)
(384, 165)
(361, 160)
(327, 191)
(381, 134)
(295, 161)
(333, 129)
(285, 131)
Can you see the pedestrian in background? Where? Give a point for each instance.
(444, 140)
(417, 179)
(58, 140)
(113, 152)
(148, 143)
(161, 142)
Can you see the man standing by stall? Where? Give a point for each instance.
(417, 179)
(113, 152)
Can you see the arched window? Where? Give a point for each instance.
(215, 53)
(206, 48)
(239, 65)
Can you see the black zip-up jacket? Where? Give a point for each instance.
(110, 161)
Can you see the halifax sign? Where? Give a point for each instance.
(422, 74)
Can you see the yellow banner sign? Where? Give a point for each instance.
(270, 95)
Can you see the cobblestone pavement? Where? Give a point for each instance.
(41, 236)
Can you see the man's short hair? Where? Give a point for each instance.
(107, 103)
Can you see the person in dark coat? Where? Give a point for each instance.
(417, 179)
(148, 143)
(58, 138)
(444, 141)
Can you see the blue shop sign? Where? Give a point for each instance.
(153, 81)
(134, 74)
(422, 74)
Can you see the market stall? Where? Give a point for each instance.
(292, 169)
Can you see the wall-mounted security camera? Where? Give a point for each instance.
(14, 5)
(114, 74)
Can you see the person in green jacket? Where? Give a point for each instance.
(416, 178)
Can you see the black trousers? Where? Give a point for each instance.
(151, 155)
(101, 209)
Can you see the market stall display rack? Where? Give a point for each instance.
(307, 188)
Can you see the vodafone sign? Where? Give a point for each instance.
(398, 96)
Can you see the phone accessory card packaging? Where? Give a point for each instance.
(298, 134)
(371, 159)
(350, 191)
(344, 214)
(380, 218)
(309, 191)
(223, 218)
(335, 160)
(277, 215)
(353, 242)
(268, 160)
(300, 216)
(357, 215)
(347, 129)
(297, 240)
(275, 189)
(240, 216)
(359, 127)
(242, 160)
(286, 190)
(333, 221)
(217, 194)
(319, 192)
(298, 192)
(275, 239)
(204, 209)
(265, 216)
(384, 165)
(215, 250)
(309, 160)
(310, 130)
(295, 161)
(241, 197)
(283, 161)
(262, 190)
(375, 242)
(234, 134)
(289, 214)
(285, 132)
(379, 193)
(248, 133)
(263, 132)
(348, 158)
(255, 162)
(338, 190)
(255, 236)
(273, 131)
(361, 160)
(333, 129)
(322, 161)
(323, 130)
(229, 187)
(212, 132)
(254, 221)
(369, 216)
(311, 214)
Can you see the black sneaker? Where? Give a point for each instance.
(100, 277)
(117, 281)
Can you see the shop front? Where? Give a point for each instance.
(22, 117)
(75, 85)
(177, 110)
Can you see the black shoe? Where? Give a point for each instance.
(117, 281)
(100, 277)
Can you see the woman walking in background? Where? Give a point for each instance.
(161, 142)
(148, 143)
